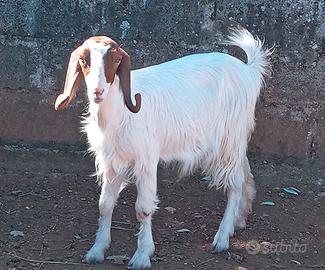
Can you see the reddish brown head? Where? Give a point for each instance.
(101, 51)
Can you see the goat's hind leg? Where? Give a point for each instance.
(232, 212)
(110, 189)
(248, 196)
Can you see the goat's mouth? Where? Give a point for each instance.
(98, 100)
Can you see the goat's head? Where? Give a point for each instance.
(98, 60)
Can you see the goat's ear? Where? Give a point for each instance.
(123, 71)
(111, 63)
(72, 80)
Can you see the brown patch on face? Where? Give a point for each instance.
(103, 40)
(85, 66)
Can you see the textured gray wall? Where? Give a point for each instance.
(36, 37)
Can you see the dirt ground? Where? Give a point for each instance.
(48, 195)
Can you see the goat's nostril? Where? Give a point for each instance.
(98, 91)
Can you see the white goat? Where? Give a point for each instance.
(198, 110)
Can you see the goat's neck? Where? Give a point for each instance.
(111, 112)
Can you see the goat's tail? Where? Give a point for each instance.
(257, 56)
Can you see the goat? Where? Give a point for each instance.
(198, 110)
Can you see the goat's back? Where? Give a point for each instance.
(193, 103)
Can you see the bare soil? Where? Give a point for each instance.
(49, 195)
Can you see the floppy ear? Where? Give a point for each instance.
(123, 71)
(72, 80)
(117, 61)
(111, 62)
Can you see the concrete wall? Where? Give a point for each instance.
(36, 37)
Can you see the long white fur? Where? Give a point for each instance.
(197, 110)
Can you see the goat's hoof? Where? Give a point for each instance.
(139, 261)
(220, 243)
(219, 248)
(93, 257)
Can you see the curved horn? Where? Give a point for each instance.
(73, 77)
(124, 73)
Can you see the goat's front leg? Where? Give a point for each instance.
(110, 189)
(145, 206)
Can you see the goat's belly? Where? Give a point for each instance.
(183, 152)
(187, 141)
